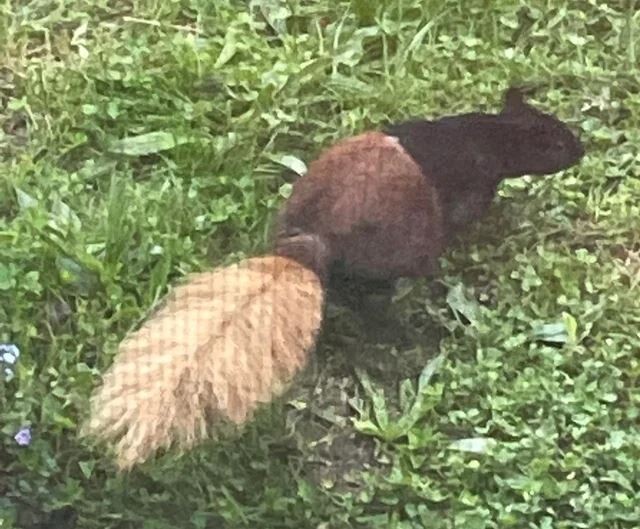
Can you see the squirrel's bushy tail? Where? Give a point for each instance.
(223, 343)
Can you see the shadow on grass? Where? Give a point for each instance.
(357, 334)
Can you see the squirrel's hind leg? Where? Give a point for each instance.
(370, 301)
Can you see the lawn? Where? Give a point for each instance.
(139, 143)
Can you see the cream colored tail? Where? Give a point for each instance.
(223, 343)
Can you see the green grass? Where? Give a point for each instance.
(536, 340)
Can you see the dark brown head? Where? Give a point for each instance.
(468, 155)
(538, 143)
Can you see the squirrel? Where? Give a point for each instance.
(383, 204)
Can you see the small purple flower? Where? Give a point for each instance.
(23, 437)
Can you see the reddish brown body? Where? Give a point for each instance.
(371, 205)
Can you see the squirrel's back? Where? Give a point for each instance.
(371, 202)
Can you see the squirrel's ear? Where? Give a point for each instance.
(514, 101)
